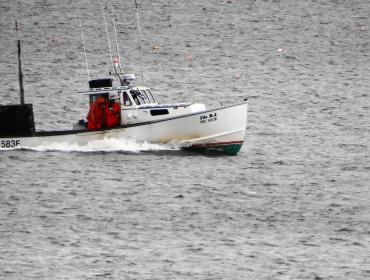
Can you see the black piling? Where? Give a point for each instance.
(20, 73)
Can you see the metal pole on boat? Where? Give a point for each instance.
(83, 43)
(106, 30)
(115, 34)
(20, 73)
(141, 48)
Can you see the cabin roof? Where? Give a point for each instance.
(94, 91)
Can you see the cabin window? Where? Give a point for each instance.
(94, 97)
(150, 96)
(146, 98)
(159, 112)
(138, 97)
(126, 99)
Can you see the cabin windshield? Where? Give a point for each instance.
(140, 97)
(150, 95)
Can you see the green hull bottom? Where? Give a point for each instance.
(231, 149)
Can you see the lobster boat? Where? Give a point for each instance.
(140, 117)
(121, 110)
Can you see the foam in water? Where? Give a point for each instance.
(105, 145)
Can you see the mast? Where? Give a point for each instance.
(20, 73)
(138, 30)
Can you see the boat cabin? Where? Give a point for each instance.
(137, 104)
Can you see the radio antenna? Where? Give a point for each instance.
(141, 48)
(83, 43)
(115, 34)
(106, 30)
(20, 73)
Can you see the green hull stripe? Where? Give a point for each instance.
(232, 149)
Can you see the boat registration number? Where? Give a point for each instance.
(211, 117)
(10, 143)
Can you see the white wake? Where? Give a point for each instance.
(106, 145)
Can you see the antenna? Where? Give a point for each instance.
(20, 73)
(115, 34)
(106, 29)
(83, 43)
(141, 48)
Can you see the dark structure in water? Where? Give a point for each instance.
(16, 120)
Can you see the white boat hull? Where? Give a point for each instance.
(223, 129)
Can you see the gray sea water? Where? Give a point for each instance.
(293, 204)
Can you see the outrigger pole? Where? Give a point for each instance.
(138, 30)
(20, 73)
(83, 43)
(115, 34)
(106, 30)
